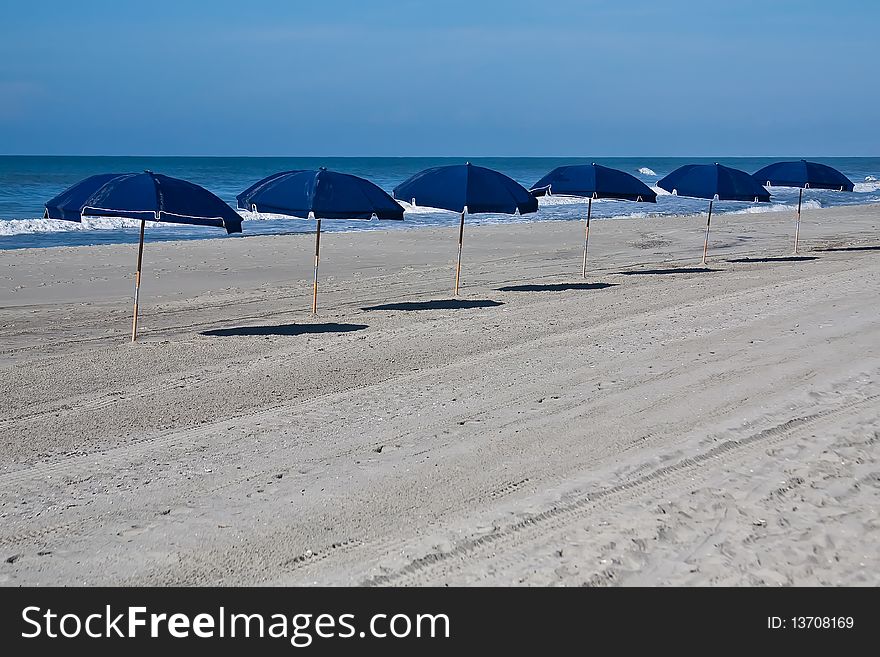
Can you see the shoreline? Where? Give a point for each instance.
(475, 220)
(515, 220)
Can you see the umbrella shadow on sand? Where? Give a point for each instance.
(439, 304)
(660, 272)
(285, 329)
(775, 259)
(555, 287)
(852, 248)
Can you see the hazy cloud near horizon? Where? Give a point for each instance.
(430, 78)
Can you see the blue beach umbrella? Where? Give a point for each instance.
(319, 194)
(593, 181)
(803, 175)
(467, 189)
(715, 182)
(146, 197)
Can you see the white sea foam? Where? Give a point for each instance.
(419, 209)
(866, 187)
(659, 191)
(30, 226)
(871, 178)
(247, 215)
(551, 201)
(759, 208)
(563, 200)
(645, 171)
(543, 201)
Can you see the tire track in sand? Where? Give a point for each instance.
(419, 570)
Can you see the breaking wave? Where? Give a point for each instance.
(408, 208)
(871, 185)
(32, 226)
(563, 200)
(759, 208)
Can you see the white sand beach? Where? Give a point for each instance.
(656, 424)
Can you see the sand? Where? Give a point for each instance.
(656, 424)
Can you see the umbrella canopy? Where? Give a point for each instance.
(322, 194)
(145, 196)
(803, 174)
(69, 204)
(715, 182)
(467, 189)
(592, 181)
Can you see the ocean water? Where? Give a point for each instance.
(27, 182)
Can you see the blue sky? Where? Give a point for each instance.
(449, 77)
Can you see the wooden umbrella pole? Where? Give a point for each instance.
(797, 227)
(317, 252)
(587, 233)
(460, 241)
(706, 243)
(137, 282)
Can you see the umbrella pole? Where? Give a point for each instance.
(587, 233)
(797, 228)
(706, 243)
(460, 240)
(137, 282)
(317, 252)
